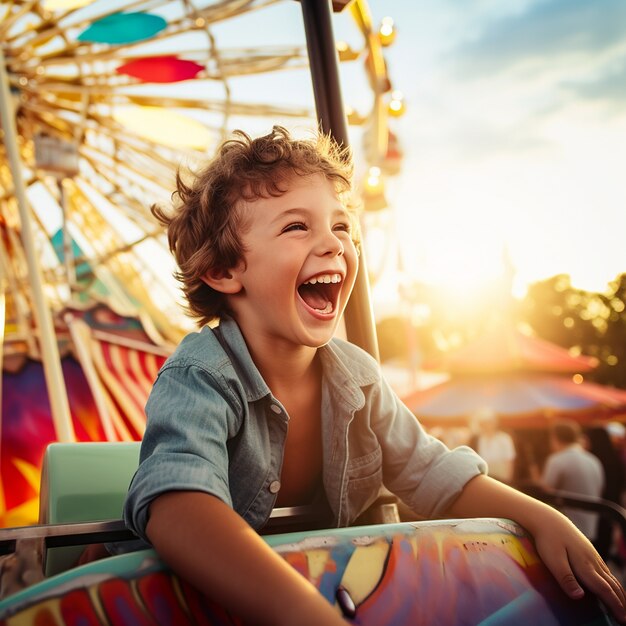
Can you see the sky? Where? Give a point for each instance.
(514, 139)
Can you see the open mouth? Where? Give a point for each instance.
(321, 292)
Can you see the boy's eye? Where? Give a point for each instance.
(344, 226)
(294, 226)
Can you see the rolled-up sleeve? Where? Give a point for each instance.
(190, 419)
(419, 468)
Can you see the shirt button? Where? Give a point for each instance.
(275, 486)
(276, 408)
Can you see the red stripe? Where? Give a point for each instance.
(159, 597)
(77, 609)
(120, 605)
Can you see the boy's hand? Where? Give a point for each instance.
(566, 552)
(575, 564)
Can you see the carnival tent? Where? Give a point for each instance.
(505, 349)
(109, 363)
(523, 380)
(522, 400)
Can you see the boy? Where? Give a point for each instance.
(268, 408)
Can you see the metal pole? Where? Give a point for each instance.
(49, 350)
(324, 64)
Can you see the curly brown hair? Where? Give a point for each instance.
(205, 227)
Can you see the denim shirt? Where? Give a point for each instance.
(214, 426)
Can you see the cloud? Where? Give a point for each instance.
(546, 32)
(608, 86)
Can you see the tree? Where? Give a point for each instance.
(593, 324)
(585, 322)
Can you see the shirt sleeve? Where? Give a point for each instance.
(417, 467)
(184, 448)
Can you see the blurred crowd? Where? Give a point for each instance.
(587, 461)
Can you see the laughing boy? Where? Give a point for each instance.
(267, 409)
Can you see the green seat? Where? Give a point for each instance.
(83, 482)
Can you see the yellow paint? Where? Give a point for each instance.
(412, 541)
(29, 472)
(94, 596)
(518, 552)
(35, 614)
(317, 560)
(509, 544)
(365, 569)
(25, 514)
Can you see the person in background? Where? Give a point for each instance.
(495, 446)
(572, 468)
(599, 444)
(617, 434)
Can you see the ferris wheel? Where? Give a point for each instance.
(111, 97)
(102, 102)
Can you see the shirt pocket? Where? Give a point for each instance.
(365, 478)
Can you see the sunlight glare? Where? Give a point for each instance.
(459, 252)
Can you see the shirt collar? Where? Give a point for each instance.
(345, 373)
(232, 341)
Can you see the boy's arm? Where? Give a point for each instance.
(211, 546)
(566, 552)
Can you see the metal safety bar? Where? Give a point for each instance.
(558, 499)
(79, 533)
(72, 534)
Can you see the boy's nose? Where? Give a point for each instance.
(330, 244)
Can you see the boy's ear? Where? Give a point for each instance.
(224, 281)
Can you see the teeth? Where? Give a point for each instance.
(324, 278)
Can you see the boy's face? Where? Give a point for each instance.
(300, 264)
